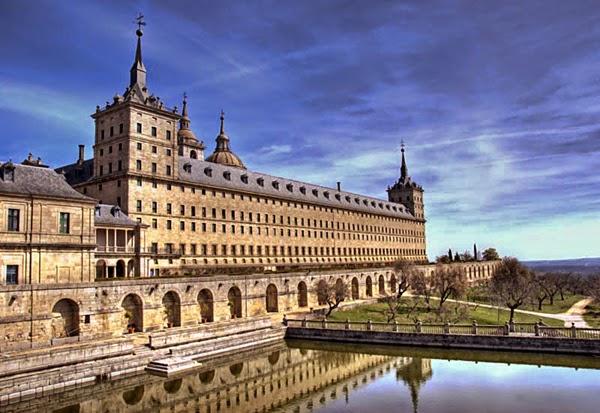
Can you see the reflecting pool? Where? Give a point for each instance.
(300, 376)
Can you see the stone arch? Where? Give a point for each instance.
(133, 396)
(355, 289)
(206, 376)
(322, 292)
(120, 269)
(234, 297)
(273, 358)
(173, 386)
(65, 318)
(101, 269)
(193, 154)
(130, 268)
(206, 303)
(381, 284)
(393, 284)
(302, 294)
(172, 309)
(134, 308)
(271, 298)
(369, 286)
(236, 369)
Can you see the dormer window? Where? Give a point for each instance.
(387, 206)
(326, 194)
(315, 192)
(357, 200)
(347, 198)
(260, 181)
(97, 211)
(394, 208)
(338, 197)
(187, 168)
(303, 190)
(290, 187)
(276, 185)
(8, 172)
(244, 178)
(373, 203)
(208, 171)
(381, 205)
(227, 175)
(365, 202)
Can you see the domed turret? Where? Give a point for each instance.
(222, 154)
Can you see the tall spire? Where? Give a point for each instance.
(138, 71)
(222, 123)
(403, 169)
(184, 122)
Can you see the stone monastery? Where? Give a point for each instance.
(150, 233)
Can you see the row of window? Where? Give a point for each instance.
(13, 221)
(138, 129)
(274, 250)
(296, 221)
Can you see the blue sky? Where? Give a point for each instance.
(498, 102)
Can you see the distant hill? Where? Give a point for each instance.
(583, 266)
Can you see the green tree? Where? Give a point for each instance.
(512, 284)
(490, 254)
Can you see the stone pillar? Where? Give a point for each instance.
(474, 328)
(285, 320)
(418, 326)
(304, 322)
(573, 330)
(447, 328)
(324, 324)
(369, 325)
(347, 324)
(395, 328)
(506, 328)
(536, 327)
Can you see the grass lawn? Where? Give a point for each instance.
(592, 314)
(483, 316)
(559, 306)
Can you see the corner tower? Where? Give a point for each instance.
(407, 192)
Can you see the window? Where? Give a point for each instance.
(139, 181)
(153, 130)
(168, 169)
(153, 167)
(120, 128)
(110, 167)
(168, 152)
(154, 206)
(101, 170)
(169, 224)
(168, 187)
(102, 134)
(182, 225)
(12, 274)
(169, 208)
(182, 209)
(154, 223)
(193, 211)
(138, 165)
(193, 227)
(112, 131)
(110, 149)
(65, 217)
(169, 135)
(139, 146)
(139, 128)
(138, 205)
(154, 149)
(13, 219)
(120, 166)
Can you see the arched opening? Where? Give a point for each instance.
(322, 292)
(65, 318)
(236, 369)
(130, 268)
(273, 358)
(272, 305)
(206, 376)
(120, 269)
(193, 155)
(133, 396)
(393, 284)
(101, 269)
(369, 286)
(381, 285)
(172, 309)
(234, 297)
(302, 294)
(355, 294)
(134, 312)
(173, 386)
(206, 303)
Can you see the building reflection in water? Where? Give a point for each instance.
(277, 379)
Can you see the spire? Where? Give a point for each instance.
(403, 169)
(222, 139)
(184, 122)
(222, 123)
(138, 71)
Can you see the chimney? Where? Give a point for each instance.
(339, 186)
(81, 154)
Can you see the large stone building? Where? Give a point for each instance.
(215, 212)
(148, 233)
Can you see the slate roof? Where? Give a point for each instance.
(77, 174)
(33, 180)
(207, 173)
(111, 215)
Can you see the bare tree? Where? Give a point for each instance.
(449, 281)
(405, 273)
(333, 293)
(592, 286)
(542, 284)
(424, 286)
(562, 281)
(512, 284)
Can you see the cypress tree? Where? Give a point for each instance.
(475, 252)
(450, 254)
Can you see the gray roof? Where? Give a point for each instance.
(112, 215)
(77, 174)
(208, 173)
(33, 180)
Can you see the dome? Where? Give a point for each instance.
(186, 135)
(222, 154)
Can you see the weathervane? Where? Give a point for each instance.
(184, 96)
(139, 22)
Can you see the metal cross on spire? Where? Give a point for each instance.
(184, 96)
(139, 21)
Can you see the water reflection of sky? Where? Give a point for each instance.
(465, 387)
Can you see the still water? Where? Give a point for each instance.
(326, 378)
